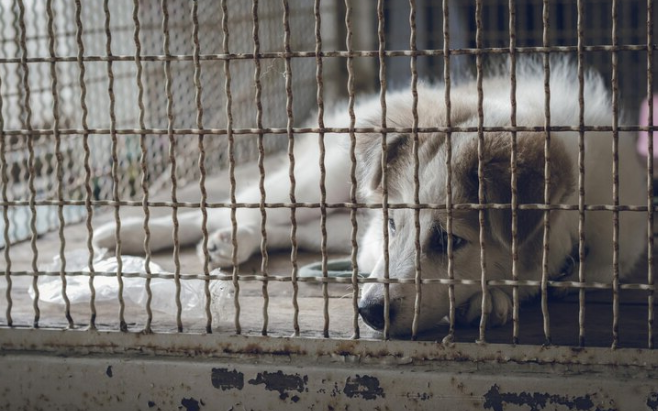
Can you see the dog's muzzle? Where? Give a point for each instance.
(372, 312)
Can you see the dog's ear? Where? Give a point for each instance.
(529, 181)
(369, 152)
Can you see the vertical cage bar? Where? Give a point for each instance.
(24, 109)
(323, 172)
(615, 179)
(381, 41)
(416, 143)
(89, 195)
(513, 172)
(5, 211)
(172, 161)
(59, 159)
(481, 181)
(581, 174)
(547, 170)
(40, 75)
(261, 165)
(448, 119)
(123, 326)
(291, 159)
(143, 164)
(231, 169)
(650, 150)
(202, 162)
(353, 180)
(31, 160)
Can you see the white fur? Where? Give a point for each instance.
(564, 110)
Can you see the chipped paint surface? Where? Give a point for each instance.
(497, 400)
(652, 401)
(365, 386)
(197, 372)
(195, 384)
(226, 379)
(280, 382)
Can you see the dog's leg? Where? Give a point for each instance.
(498, 306)
(278, 224)
(133, 235)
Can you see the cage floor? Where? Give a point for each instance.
(564, 312)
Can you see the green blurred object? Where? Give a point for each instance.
(335, 268)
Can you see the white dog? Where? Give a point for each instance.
(564, 111)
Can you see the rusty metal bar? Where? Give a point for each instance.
(231, 170)
(202, 162)
(31, 160)
(547, 171)
(261, 166)
(381, 42)
(225, 345)
(172, 161)
(615, 181)
(416, 168)
(291, 159)
(513, 172)
(144, 165)
(5, 212)
(372, 206)
(650, 167)
(449, 206)
(323, 171)
(353, 165)
(123, 326)
(326, 130)
(59, 159)
(333, 53)
(87, 167)
(581, 174)
(484, 289)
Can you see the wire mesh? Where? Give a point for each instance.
(115, 106)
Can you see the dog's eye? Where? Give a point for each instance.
(439, 241)
(391, 225)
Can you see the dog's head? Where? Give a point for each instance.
(429, 231)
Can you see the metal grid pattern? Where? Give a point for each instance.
(78, 102)
(108, 81)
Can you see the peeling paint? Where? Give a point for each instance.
(281, 382)
(190, 404)
(108, 371)
(496, 400)
(652, 401)
(224, 379)
(365, 386)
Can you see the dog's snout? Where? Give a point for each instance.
(372, 312)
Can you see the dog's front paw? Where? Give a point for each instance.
(220, 246)
(105, 237)
(132, 236)
(498, 305)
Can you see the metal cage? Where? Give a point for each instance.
(111, 110)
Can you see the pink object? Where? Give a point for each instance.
(644, 121)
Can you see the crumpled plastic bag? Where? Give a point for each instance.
(163, 290)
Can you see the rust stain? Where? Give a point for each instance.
(366, 387)
(224, 379)
(253, 349)
(282, 383)
(496, 400)
(345, 348)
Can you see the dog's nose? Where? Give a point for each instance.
(372, 312)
